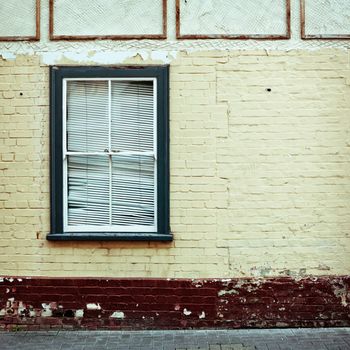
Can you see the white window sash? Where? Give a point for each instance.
(66, 153)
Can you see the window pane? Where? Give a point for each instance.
(132, 115)
(87, 116)
(133, 190)
(88, 190)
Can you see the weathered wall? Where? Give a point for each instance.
(327, 17)
(101, 51)
(33, 303)
(259, 171)
(20, 24)
(233, 17)
(260, 188)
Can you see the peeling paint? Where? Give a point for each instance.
(21, 308)
(32, 312)
(93, 306)
(297, 274)
(226, 280)
(311, 301)
(10, 306)
(118, 314)
(227, 292)
(8, 56)
(197, 284)
(341, 292)
(163, 56)
(187, 312)
(51, 58)
(323, 267)
(105, 57)
(46, 312)
(79, 313)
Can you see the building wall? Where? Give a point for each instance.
(259, 179)
(259, 190)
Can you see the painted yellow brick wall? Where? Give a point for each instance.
(260, 180)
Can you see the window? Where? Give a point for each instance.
(109, 153)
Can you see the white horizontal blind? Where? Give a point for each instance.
(132, 174)
(110, 155)
(88, 186)
(133, 190)
(87, 116)
(132, 116)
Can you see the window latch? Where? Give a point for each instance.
(112, 150)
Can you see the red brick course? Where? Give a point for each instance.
(36, 303)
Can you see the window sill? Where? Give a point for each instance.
(109, 236)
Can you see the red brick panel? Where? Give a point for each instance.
(36, 303)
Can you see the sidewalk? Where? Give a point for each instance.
(260, 339)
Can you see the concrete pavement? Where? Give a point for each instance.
(260, 339)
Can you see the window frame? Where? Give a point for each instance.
(57, 76)
(67, 153)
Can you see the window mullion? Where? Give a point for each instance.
(155, 150)
(64, 154)
(110, 147)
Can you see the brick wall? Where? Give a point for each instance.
(42, 303)
(260, 186)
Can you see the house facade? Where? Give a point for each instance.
(174, 164)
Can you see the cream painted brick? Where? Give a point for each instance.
(8, 110)
(260, 181)
(8, 94)
(7, 157)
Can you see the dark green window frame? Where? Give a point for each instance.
(57, 74)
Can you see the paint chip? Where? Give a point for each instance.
(227, 292)
(79, 313)
(32, 313)
(187, 312)
(202, 315)
(46, 312)
(93, 306)
(118, 314)
(8, 56)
